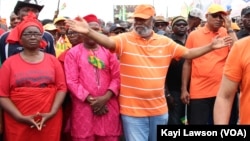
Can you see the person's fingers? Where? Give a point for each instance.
(187, 100)
(106, 108)
(96, 109)
(69, 23)
(78, 18)
(34, 124)
(217, 36)
(94, 101)
(41, 124)
(228, 40)
(92, 98)
(184, 99)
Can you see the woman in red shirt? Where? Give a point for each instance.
(34, 87)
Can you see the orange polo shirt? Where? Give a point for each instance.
(143, 68)
(237, 69)
(206, 70)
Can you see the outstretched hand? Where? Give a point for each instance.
(78, 25)
(220, 42)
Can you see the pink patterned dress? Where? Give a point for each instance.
(84, 79)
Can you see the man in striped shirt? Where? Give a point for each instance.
(144, 60)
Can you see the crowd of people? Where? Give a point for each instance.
(81, 79)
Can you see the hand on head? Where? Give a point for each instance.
(227, 21)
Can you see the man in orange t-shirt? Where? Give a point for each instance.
(236, 73)
(144, 60)
(205, 72)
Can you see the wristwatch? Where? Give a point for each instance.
(230, 31)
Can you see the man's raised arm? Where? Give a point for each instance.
(81, 26)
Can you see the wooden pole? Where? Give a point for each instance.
(58, 5)
(57, 10)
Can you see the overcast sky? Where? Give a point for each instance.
(104, 8)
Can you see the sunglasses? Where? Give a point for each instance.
(160, 24)
(181, 24)
(118, 31)
(216, 15)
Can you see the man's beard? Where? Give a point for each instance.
(142, 30)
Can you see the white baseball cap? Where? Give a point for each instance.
(196, 12)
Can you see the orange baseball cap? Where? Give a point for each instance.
(215, 8)
(144, 11)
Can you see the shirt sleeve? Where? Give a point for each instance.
(118, 44)
(177, 50)
(189, 42)
(2, 46)
(72, 77)
(233, 66)
(50, 41)
(115, 74)
(5, 80)
(60, 77)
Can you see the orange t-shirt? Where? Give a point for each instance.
(206, 70)
(143, 68)
(237, 69)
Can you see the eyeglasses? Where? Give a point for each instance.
(181, 24)
(216, 15)
(30, 35)
(118, 31)
(27, 9)
(160, 24)
(13, 19)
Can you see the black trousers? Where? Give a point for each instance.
(200, 111)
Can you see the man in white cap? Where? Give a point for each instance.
(194, 19)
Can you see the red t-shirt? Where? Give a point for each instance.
(15, 72)
(32, 87)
